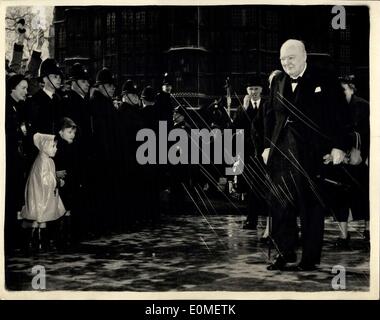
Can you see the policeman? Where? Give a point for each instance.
(46, 105)
(163, 102)
(107, 153)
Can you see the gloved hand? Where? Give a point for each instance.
(336, 156)
(265, 155)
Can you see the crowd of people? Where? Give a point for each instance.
(71, 169)
(71, 164)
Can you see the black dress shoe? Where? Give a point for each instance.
(302, 267)
(282, 260)
(278, 264)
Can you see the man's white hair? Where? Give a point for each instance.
(294, 43)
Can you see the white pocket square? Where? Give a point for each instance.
(317, 89)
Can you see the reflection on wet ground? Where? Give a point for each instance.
(188, 253)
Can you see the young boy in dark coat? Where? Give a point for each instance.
(66, 162)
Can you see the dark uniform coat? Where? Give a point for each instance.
(44, 112)
(107, 163)
(251, 180)
(131, 121)
(165, 108)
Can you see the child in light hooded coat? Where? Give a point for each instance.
(42, 200)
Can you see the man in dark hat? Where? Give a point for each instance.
(167, 84)
(130, 122)
(150, 111)
(106, 152)
(129, 94)
(151, 174)
(180, 174)
(105, 83)
(76, 106)
(77, 101)
(168, 173)
(164, 104)
(148, 96)
(46, 105)
(249, 117)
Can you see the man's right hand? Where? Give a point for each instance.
(246, 101)
(265, 155)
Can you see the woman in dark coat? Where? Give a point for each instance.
(356, 174)
(15, 133)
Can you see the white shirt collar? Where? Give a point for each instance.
(257, 102)
(253, 104)
(49, 93)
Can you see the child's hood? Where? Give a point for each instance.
(43, 141)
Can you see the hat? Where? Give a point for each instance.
(254, 81)
(167, 80)
(43, 141)
(148, 94)
(128, 87)
(104, 76)
(79, 72)
(49, 66)
(13, 81)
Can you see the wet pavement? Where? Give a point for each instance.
(189, 253)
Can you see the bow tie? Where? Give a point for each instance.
(294, 80)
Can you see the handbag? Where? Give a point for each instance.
(355, 157)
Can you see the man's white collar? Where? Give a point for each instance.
(257, 101)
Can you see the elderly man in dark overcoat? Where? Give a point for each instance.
(310, 131)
